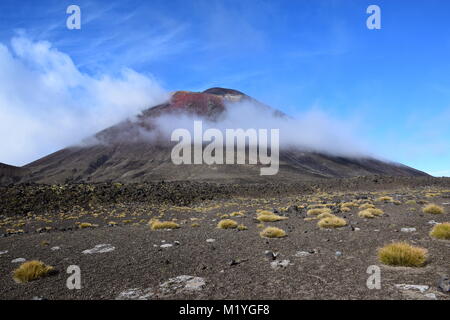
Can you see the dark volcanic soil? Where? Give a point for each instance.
(43, 222)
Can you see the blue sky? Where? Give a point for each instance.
(392, 84)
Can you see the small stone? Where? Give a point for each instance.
(3, 252)
(431, 296)
(270, 255)
(433, 223)
(100, 248)
(408, 229)
(279, 264)
(421, 288)
(55, 248)
(18, 260)
(177, 243)
(338, 253)
(166, 245)
(302, 254)
(210, 240)
(444, 284)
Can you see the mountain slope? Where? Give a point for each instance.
(121, 154)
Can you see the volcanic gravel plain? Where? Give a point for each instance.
(105, 230)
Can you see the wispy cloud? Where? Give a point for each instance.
(47, 103)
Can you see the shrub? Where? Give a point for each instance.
(272, 232)
(31, 270)
(441, 231)
(227, 224)
(402, 254)
(332, 222)
(433, 209)
(317, 211)
(157, 225)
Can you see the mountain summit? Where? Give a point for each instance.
(120, 153)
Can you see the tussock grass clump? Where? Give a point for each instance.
(346, 209)
(441, 231)
(85, 225)
(317, 211)
(411, 202)
(433, 209)
(241, 227)
(272, 217)
(272, 232)
(385, 199)
(370, 213)
(264, 212)
(195, 225)
(237, 214)
(325, 215)
(227, 224)
(402, 254)
(332, 222)
(158, 225)
(366, 206)
(348, 205)
(31, 270)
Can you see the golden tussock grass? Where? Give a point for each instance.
(241, 227)
(317, 211)
(366, 206)
(433, 209)
(272, 217)
(31, 270)
(237, 214)
(332, 222)
(346, 209)
(272, 232)
(411, 202)
(195, 225)
(158, 225)
(227, 224)
(370, 213)
(325, 215)
(85, 225)
(441, 231)
(402, 254)
(385, 199)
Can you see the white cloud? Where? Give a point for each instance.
(47, 103)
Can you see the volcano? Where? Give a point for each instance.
(120, 154)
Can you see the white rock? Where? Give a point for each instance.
(302, 254)
(357, 229)
(421, 288)
(166, 245)
(408, 229)
(135, 294)
(280, 264)
(18, 260)
(100, 248)
(210, 240)
(55, 248)
(432, 222)
(182, 283)
(431, 296)
(3, 252)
